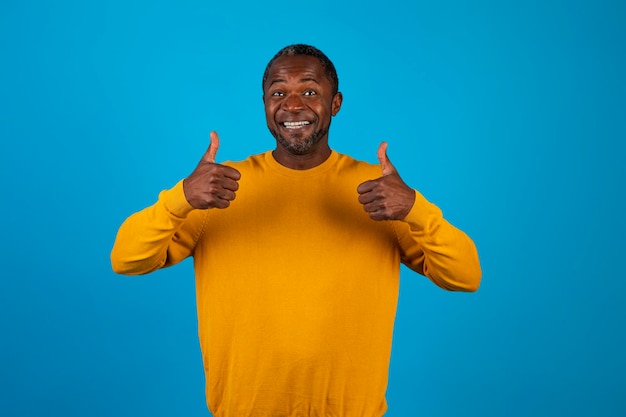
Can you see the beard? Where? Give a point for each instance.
(299, 144)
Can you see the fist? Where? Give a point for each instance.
(211, 185)
(388, 197)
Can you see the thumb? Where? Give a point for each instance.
(209, 156)
(385, 163)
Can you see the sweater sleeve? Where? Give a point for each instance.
(158, 236)
(433, 247)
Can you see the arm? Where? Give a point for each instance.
(430, 245)
(433, 247)
(154, 237)
(167, 232)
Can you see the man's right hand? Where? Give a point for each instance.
(211, 185)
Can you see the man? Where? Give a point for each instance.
(297, 277)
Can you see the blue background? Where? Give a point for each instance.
(510, 116)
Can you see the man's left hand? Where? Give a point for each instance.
(388, 197)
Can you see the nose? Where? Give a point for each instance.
(293, 103)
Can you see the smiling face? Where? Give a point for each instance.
(299, 104)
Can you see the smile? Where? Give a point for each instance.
(296, 125)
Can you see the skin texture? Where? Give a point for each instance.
(297, 90)
(211, 185)
(388, 197)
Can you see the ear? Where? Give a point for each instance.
(336, 103)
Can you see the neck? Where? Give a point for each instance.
(302, 162)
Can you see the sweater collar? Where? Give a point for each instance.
(301, 173)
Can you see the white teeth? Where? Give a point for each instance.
(295, 125)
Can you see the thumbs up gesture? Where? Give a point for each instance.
(211, 185)
(388, 197)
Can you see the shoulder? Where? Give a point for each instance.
(251, 163)
(341, 164)
(348, 165)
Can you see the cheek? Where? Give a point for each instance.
(269, 112)
(325, 111)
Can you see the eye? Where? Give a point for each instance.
(310, 93)
(277, 94)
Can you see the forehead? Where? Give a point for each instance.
(296, 68)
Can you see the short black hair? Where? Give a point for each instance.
(302, 49)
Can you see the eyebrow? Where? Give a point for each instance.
(301, 81)
(306, 80)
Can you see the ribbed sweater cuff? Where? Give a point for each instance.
(175, 201)
(423, 215)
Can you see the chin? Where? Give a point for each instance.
(297, 144)
(297, 148)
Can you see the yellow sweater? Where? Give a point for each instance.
(296, 286)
